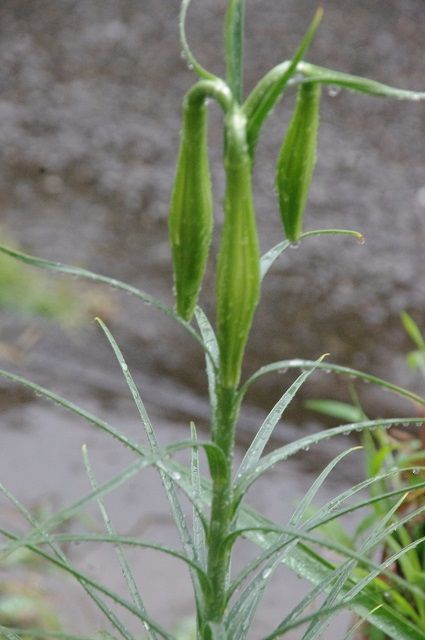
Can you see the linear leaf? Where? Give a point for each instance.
(269, 89)
(343, 572)
(186, 51)
(198, 527)
(282, 453)
(265, 432)
(314, 73)
(211, 363)
(125, 567)
(347, 371)
(80, 576)
(78, 272)
(268, 259)
(46, 537)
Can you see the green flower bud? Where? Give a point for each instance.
(191, 212)
(238, 269)
(297, 157)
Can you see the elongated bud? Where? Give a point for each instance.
(297, 157)
(191, 214)
(238, 269)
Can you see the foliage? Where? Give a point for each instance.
(225, 601)
(403, 453)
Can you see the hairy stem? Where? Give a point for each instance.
(221, 506)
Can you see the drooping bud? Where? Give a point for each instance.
(191, 212)
(296, 160)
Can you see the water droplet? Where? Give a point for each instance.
(294, 245)
(124, 367)
(333, 91)
(266, 573)
(176, 475)
(416, 472)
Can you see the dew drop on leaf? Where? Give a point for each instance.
(333, 91)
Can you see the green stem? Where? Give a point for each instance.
(234, 46)
(222, 505)
(216, 89)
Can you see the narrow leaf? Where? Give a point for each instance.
(347, 371)
(313, 73)
(265, 432)
(95, 277)
(198, 527)
(125, 567)
(267, 92)
(186, 51)
(211, 363)
(268, 259)
(305, 443)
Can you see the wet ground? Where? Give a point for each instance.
(89, 121)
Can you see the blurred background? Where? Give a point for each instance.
(89, 126)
